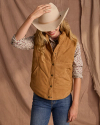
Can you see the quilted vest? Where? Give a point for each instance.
(52, 79)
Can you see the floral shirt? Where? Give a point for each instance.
(28, 43)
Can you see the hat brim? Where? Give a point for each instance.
(50, 26)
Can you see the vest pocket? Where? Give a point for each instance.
(64, 73)
(68, 71)
(63, 78)
(35, 69)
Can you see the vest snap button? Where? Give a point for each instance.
(51, 74)
(50, 85)
(53, 64)
(49, 97)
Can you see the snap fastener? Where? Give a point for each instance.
(51, 74)
(49, 97)
(53, 64)
(50, 85)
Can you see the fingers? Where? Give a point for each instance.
(45, 8)
(44, 5)
(73, 118)
(70, 118)
(41, 9)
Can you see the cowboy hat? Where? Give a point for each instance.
(50, 21)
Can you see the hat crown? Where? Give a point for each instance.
(49, 16)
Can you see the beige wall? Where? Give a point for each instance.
(15, 92)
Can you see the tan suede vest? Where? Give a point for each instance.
(52, 79)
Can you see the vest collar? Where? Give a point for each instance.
(61, 38)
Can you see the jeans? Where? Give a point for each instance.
(42, 108)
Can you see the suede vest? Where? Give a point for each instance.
(52, 79)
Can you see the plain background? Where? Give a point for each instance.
(15, 67)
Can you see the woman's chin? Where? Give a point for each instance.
(53, 36)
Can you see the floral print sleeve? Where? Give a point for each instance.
(24, 43)
(78, 63)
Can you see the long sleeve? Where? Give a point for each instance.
(24, 43)
(78, 63)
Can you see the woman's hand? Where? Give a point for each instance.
(72, 114)
(40, 10)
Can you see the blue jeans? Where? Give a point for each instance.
(42, 108)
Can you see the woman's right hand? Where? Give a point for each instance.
(40, 10)
(35, 14)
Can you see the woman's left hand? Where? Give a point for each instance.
(72, 113)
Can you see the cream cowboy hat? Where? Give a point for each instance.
(50, 21)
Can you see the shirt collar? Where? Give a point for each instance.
(51, 40)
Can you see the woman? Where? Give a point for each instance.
(56, 61)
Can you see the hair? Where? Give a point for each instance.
(40, 38)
